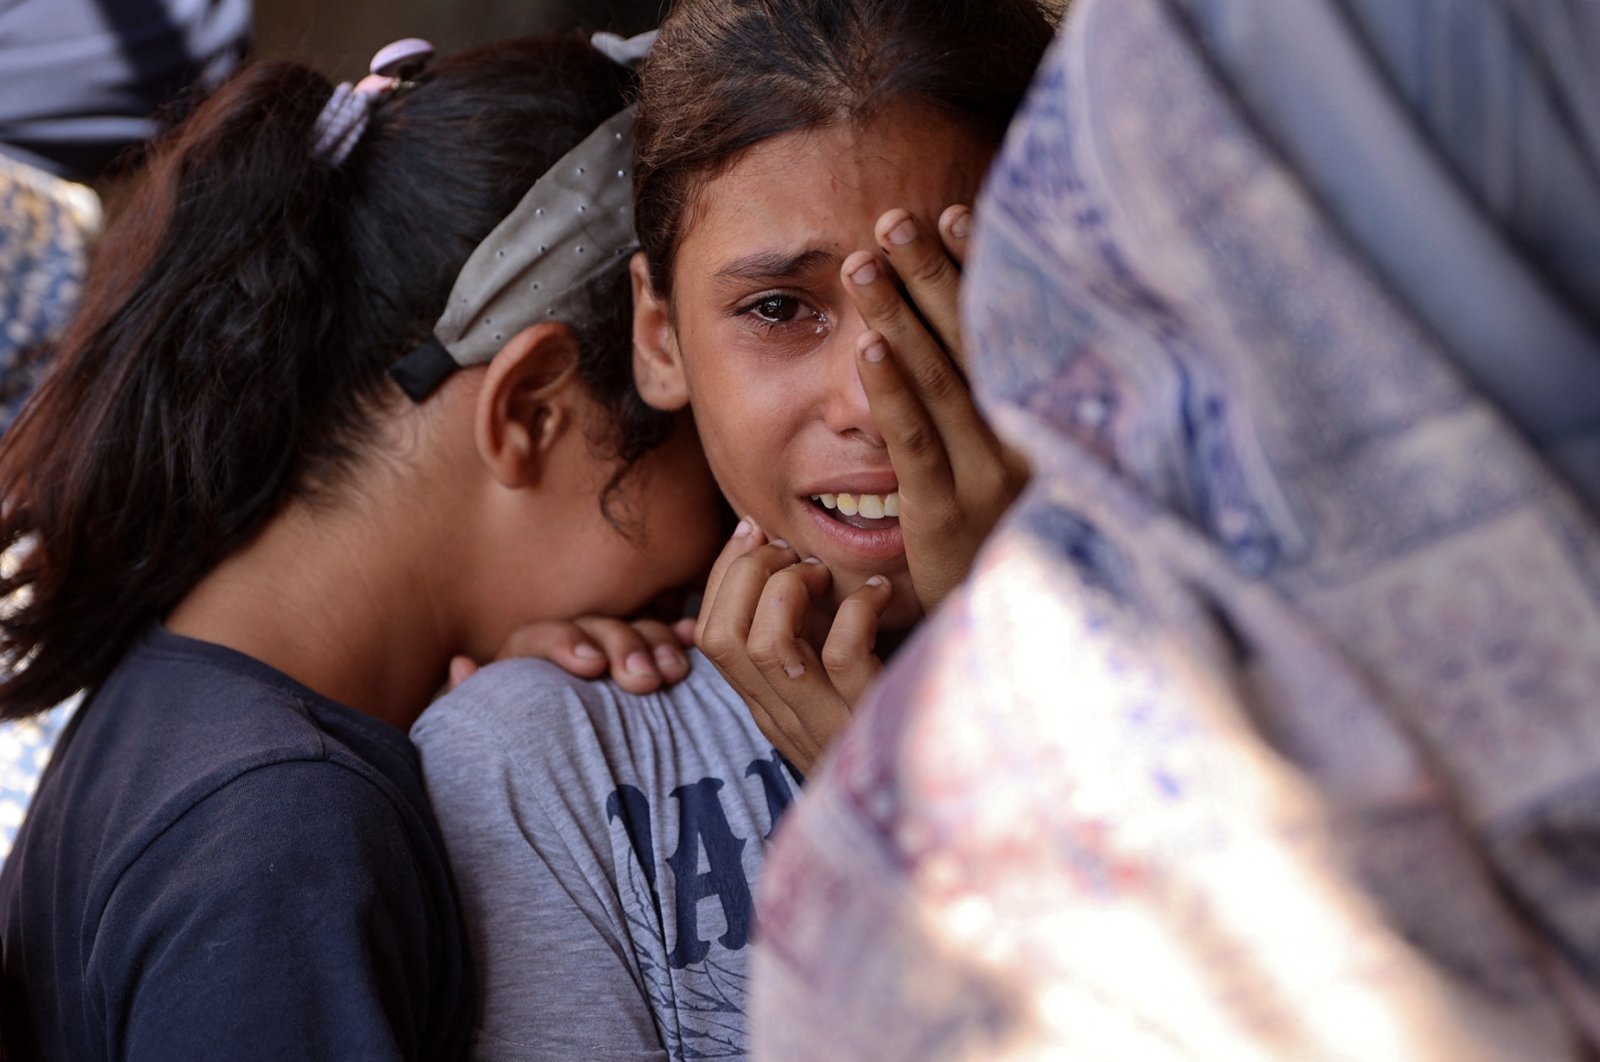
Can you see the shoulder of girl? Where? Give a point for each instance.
(503, 699)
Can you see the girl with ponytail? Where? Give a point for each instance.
(348, 396)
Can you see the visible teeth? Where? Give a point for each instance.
(871, 506)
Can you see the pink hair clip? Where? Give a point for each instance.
(344, 117)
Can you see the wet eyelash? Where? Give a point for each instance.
(749, 308)
(803, 314)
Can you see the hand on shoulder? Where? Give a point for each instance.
(640, 655)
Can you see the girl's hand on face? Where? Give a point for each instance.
(752, 626)
(956, 478)
(640, 655)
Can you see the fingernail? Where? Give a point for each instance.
(587, 651)
(743, 529)
(638, 664)
(865, 273)
(794, 671)
(780, 543)
(903, 233)
(875, 351)
(812, 560)
(877, 580)
(961, 225)
(667, 656)
(459, 670)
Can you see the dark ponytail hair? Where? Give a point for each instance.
(727, 74)
(231, 349)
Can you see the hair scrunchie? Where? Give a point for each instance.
(343, 120)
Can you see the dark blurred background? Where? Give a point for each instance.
(339, 36)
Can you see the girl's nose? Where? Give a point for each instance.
(845, 409)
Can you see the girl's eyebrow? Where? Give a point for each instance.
(776, 265)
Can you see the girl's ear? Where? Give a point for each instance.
(657, 362)
(528, 398)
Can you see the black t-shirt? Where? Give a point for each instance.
(221, 863)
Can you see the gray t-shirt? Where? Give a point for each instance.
(607, 847)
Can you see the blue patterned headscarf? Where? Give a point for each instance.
(1456, 145)
(1267, 725)
(1448, 149)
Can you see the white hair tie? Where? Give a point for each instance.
(624, 51)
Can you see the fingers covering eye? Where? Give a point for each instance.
(932, 278)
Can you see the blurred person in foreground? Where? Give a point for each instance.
(1266, 726)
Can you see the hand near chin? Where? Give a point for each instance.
(752, 625)
(640, 655)
(956, 478)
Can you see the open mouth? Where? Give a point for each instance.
(869, 512)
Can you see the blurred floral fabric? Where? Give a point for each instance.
(1267, 725)
(25, 749)
(46, 227)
